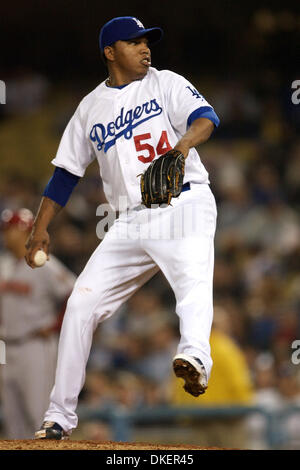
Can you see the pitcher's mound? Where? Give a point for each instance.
(31, 444)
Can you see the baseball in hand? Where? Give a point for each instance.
(40, 258)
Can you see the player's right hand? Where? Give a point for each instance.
(37, 240)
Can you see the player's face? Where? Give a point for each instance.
(132, 58)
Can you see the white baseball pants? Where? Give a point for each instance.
(177, 239)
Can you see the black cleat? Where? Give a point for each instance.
(192, 371)
(50, 430)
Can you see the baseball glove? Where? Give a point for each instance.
(163, 179)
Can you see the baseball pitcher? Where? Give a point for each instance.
(142, 125)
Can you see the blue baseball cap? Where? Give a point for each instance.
(123, 28)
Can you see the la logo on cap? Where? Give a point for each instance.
(139, 23)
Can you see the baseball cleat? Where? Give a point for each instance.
(192, 371)
(51, 430)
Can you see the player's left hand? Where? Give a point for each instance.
(163, 179)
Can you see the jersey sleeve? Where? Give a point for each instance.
(185, 103)
(74, 153)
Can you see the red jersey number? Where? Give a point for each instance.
(162, 147)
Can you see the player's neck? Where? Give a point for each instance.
(117, 78)
(117, 82)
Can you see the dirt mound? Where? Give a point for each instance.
(31, 444)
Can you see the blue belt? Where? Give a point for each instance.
(186, 187)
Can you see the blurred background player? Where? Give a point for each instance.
(32, 302)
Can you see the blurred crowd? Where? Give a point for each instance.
(254, 166)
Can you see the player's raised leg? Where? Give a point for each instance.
(187, 262)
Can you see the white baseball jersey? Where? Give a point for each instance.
(126, 128)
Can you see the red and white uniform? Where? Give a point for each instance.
(29, 303)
